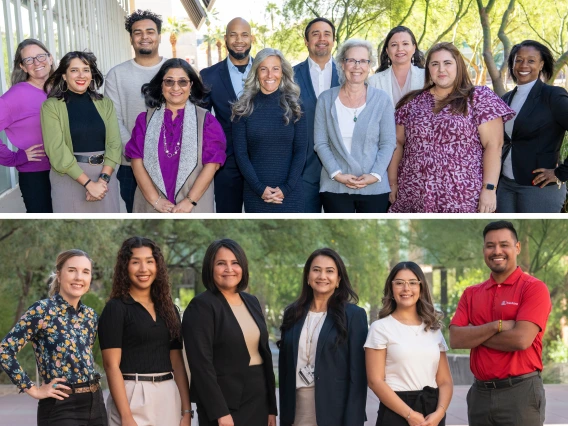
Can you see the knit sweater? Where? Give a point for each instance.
(270, 153)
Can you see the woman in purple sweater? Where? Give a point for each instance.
(19, 117)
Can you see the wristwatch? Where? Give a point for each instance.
(489, 186)
(104, 177)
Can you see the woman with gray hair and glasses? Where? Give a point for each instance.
(270, 136)
(354, 136)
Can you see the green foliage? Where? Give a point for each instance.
(556, 351)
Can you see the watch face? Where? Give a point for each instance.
(490, 186)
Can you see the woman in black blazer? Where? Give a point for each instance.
(322, 361)
(531, 178)
(226, 342)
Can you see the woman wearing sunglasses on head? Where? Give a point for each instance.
(405, 353)
(63, 331)
(176, 146)
(19, 117)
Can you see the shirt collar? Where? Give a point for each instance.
(313, 64)
(127, 298)
(232, 66)
(510, 280)
(62, 303)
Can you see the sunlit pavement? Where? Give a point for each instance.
(20, 410)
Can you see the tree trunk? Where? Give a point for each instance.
(560, 63)
(219, 53)
(209, 60)
(26, 279)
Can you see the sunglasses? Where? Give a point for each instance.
(170, 82)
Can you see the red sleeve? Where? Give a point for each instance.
(535, 305)
(461, 317)
(135, 146)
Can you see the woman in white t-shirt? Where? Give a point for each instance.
(405, 353)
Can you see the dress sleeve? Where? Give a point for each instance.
(214, 141)
(111, 325)
(377, 337)
(401, 114)
(29, 324)
(135, 146)
(488, 106)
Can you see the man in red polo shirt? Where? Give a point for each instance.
(502, 321)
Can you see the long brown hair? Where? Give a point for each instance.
(64, 256)
(18, 74)
(424, 307)
(160, 291)
(462, 92)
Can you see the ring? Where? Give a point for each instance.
(54, 386)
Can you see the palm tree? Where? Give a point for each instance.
(176, 28)
(219, 36)
(210, 39)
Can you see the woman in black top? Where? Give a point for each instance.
(532, 176)
(226, 341)
(140, 337)
(81, 138)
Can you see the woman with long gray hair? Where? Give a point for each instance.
(354, 136)
(270, 136)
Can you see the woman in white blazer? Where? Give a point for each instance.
(401, 67)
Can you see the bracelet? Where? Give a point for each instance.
(184, 412)
(440, 405)
(86, 183)
(191, 201)
(408, 417)
(500, 326)
(156, 203)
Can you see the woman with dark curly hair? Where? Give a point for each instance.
(322, 361)
(226, 342)
(140, 337)
(405, 353)
(81, 138)
(176, 146)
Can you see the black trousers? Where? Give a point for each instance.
(253, 410)
(229, 184)
(80, 409)
(424, 401)
(36, 191)
(128, 185)
(354, 203)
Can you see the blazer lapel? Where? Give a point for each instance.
(304, 74)
(234, 323)
(325, 329)
(334, 76)
(335, 120)
(527, 108)
(258, 318)
(387, 81)
(226, 79)
(296, 332)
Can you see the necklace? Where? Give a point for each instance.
(355, 116)
(309, 339)
(415, 328)
(168, 147)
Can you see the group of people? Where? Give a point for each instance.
(416, 136)
(328, 355)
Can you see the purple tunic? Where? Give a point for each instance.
(441, 170)
(214, 143)
(20, 118)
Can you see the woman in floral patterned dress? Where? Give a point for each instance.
(62, 331)
(449, 139)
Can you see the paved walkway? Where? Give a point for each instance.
(20, 410)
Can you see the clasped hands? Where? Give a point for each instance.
(355, 182)
(272, 195)
(163, 205)
(96, 191)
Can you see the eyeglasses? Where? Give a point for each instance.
(403, 283)
(42, 57)
(352, 62)
(170, 82)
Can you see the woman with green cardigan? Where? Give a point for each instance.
(81, 138)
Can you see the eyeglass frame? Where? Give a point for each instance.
(404, 283)
(35, 58)
(359, 62)
(173, 82)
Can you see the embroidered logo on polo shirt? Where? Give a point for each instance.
(504, 302)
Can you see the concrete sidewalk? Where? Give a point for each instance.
(20, 410)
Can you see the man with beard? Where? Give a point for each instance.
(314, 75)
(124, 82)
(226, 81)
(503, 329)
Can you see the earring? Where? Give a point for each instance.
(412, 60)
(389, 62)
(61, 88)
(94, 86)
(308, 283)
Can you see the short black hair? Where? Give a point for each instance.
(319, 19)
(500, 224)
(140, 15)
(545, 54)
(209, 263)
(152, 91)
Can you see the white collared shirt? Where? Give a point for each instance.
(321, 79)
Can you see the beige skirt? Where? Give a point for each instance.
(305, 407)
(68, 196)
(151, 404)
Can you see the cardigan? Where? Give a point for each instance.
(57, 136)
(373, 143)
(383, 80)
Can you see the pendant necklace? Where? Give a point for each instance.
(355, 116)
(177, 145)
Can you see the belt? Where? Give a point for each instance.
(152, 379)
(505, 383)
(81, 388)
(91, 159)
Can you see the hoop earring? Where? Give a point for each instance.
(61, 88)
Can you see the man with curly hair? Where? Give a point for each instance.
(124, 82)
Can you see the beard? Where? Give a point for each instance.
(145, 51)
(238, 56)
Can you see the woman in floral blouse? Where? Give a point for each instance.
(62, 331)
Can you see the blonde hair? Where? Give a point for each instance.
(64, 256)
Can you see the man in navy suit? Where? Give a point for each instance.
(226, 81)
(314, 75)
